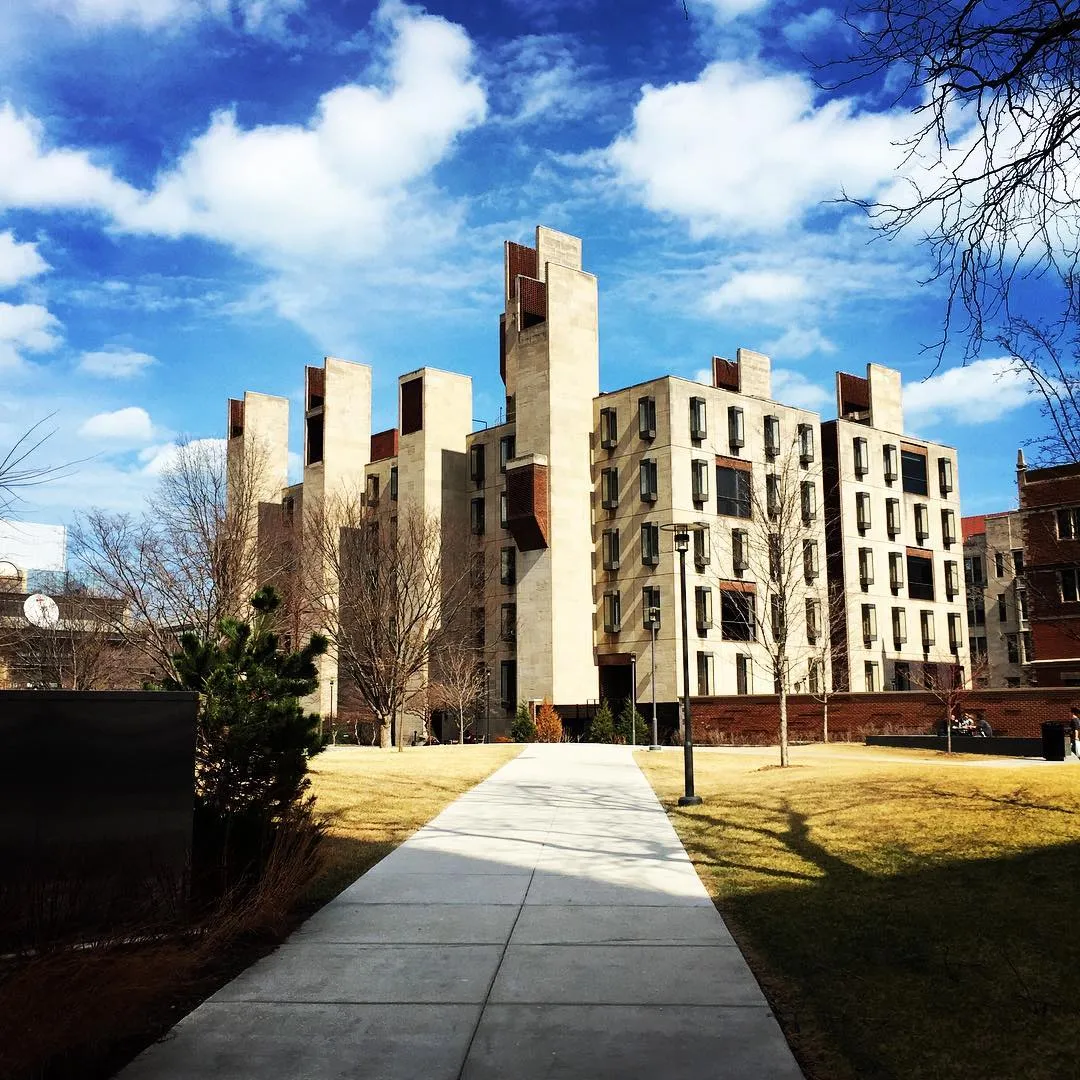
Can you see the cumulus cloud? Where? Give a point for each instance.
(540, 76)
(743, 150)
(798, 342)
(25, 328)
(18, 262)
(726, 10)
(978, 393)
(115, 362)
(265, 17)
(129, 425)
(756, 287)
(794, 388)
(804, 28)
(156, 459)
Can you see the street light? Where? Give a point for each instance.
(681, 534)
(654, 623)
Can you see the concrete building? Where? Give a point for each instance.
(564, 503)
(999, 633)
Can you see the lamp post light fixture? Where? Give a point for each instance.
(654, 623)
(681, 535)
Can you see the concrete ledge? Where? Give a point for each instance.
(1006, 746)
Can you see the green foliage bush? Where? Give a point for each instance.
(602, 726)
(523, 729)
(631, 727)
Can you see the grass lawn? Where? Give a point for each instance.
(907, 916)
(375, 799)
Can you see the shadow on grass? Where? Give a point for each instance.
(925, 969)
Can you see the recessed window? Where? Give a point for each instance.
(609, 488)
(1018, 561)
(973, 571)
(976, 611)
(955, 636)
(740, 553)
(373, 491)
(890, 460)
(899, 626)
(1068, 523)
(870, 676)
(650, 607)
(862, 456)
(504, 510)
(507, 450)
(477, 570)
(808, 500)
(476, 463)
(702, 548)
(508, 622)
(772, 436)
(778, 617)
(952, 579)
(922, 523)
(732, 492)
(772, 495)
(736, 431)
(810, 559)
(1012, 648)
(869, 622)
(609, 429)
(699, 477)
(913, 472)
(1002, 609)
(920, 572)
(926, 625)
(896, 570)
(698, 427)
(393, 483)
(862, 511)
(650, 543)
(744, 674)
(813, 620)
(736, 615)
(806, 443)
(479, 634)
(508, 566)
(508, 684)
(609, 544)
(703, 607)
(706, 674)
(1070, 588)
(948, 527)
(648, 479)
(647, 418)
(945, 475)
(612, 612)
(476, 516)
(892, 518)
(866, 567)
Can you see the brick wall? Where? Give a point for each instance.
(756, 719)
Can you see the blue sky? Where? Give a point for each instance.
(198, 197)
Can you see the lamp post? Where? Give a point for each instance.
(654, 623)
(633, 700)
(681, 535)
(333, 726)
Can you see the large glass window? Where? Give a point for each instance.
(913, 472)
(732, 491)
(920, 572)
(736, 615)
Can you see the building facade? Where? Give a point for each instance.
(842, 536)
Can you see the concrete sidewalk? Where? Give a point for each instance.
(547, 924)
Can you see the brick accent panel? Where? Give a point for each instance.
(236, 417)
(533, 300)
(854, 393)
(527, 506)
(384, 444)
(521, 261)
(316, 386)
(725, 374)
(755, 719)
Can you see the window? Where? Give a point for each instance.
(735, 431)
(393, 482)
(948, 527)
(869, 622)
(772, 495)
(507, 450)
(901, 675)
(920, 572)
(1068, 523)
(647, 479)
(609, 548)
(706, 680)
(1018, 561)
(976, 611)
(926, 624)
(478, 571)
(806, 443)
(698, 427)
(866, 567)
(862, 456)
(740, 553)
(954, 631)
(1012, 648)
(772, 436)
(702, 548)
(1028, 653)
(476, 516)
(508, 566)
(703, 607)
(373, 491)
(808, 497)
(952, 579)
(314, 439)
(508, 684)
(508, 622)
(777, 617)
(899, 626)
(699, 477)
(504, 508)
(650, 607)
(813, 620)
(889, 458)
(650, 543)
(609, 428)
(612, 612)
(862, 511)
(813, 673)
(892, 518)
(736, 615)
(945, 475)
(732, 491)
(999, 564)
(478, 627)
(1021, 605)
(810, 559)
(896, 571)
(1070, 586)
(870, 676)
(978, 648)
(744, 674)
(776, 562)
(922, 523)
(609, 488)
(1002, 608)
(646, 414)
(913, 472)
(973, 570)
(476, 463)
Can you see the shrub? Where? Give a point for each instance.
(548, 723)
(523, 729)
(631, 726)
(602, 726)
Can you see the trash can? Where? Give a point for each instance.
(1053, 740)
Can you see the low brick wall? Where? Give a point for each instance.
(963, 744)
(754, 719)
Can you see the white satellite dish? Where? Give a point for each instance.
(41, 610)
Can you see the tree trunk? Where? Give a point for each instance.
(825, 721)
(400, 731)
(385, 732)
(948, 729)
(783, 725)
(461, 727)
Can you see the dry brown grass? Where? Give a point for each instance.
(908, 915)
(373, 799)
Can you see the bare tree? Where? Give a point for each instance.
(947, 683)
(383, 590)
(185, 563)
(991, 184)
(830, 625)
(18, 470)
(462, 679)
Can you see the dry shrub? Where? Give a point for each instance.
(548, 724)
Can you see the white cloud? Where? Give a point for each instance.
(794, 388)
(25, 328)
(130, 425)
(263, 17)
(804, 28)
(725, 10)
(798, 342)
(742, 150)
(750, 287)
(978, 393)
(18, 262)
(539, 76)
(156, 459)
(115, 362)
